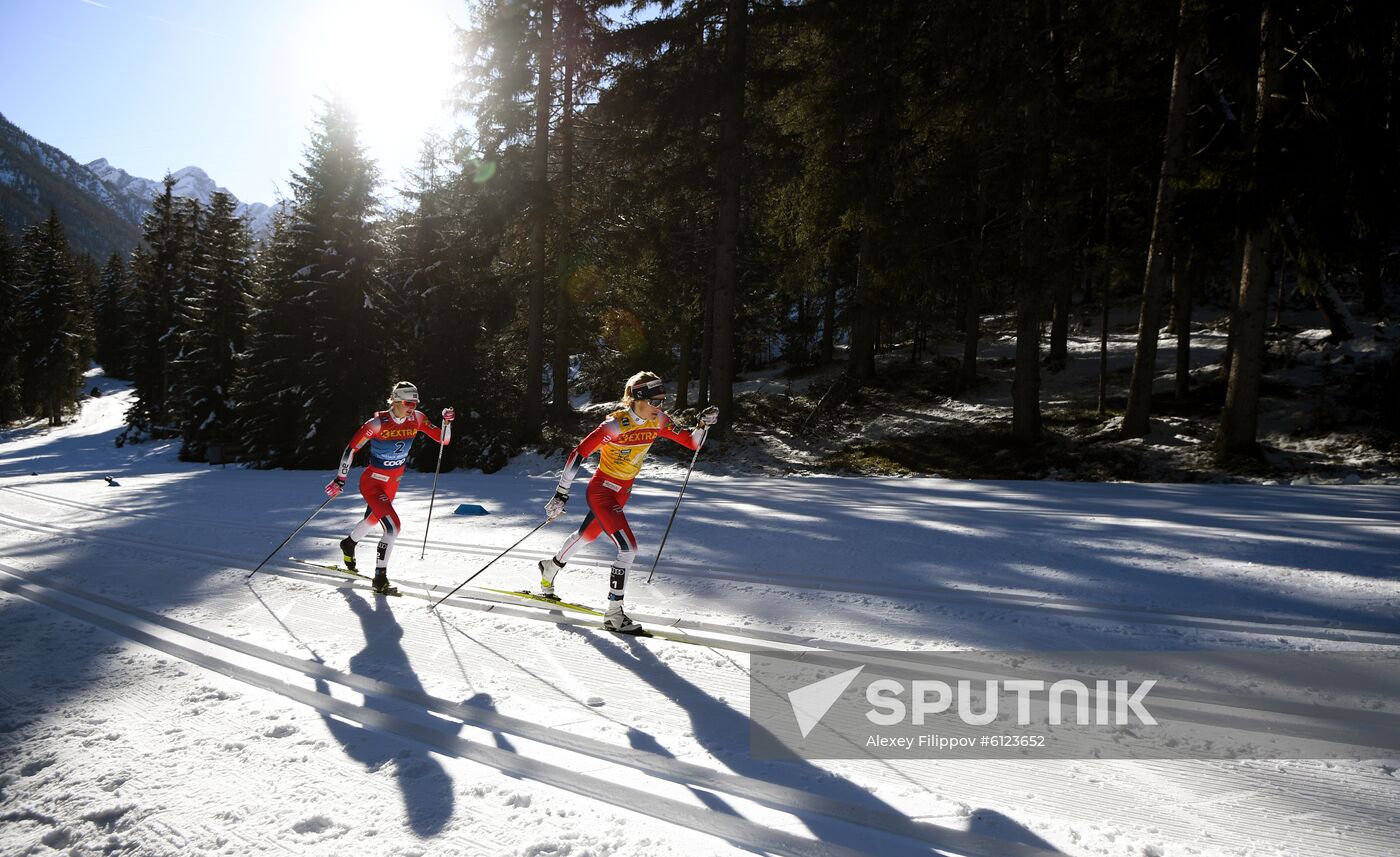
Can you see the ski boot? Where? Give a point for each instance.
(618, 622)
(381, 585)
(347, 553)
(548, 569)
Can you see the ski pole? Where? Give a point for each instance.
(489, 564)
(431, 500)
(675, 510)
(289, 538)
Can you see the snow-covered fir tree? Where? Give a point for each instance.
(213, 321)
(423, 287)
(11, 381)
(89, 276)
(53, 318)
(266, 386)
(115, 318)
(326, 281)
(161, 277)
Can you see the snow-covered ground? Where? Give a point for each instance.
(153, 701)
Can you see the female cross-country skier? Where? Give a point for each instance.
(390, 436)
(622, 442)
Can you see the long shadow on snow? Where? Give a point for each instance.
(995, 825)
(426, 787)
(637, 738)
(724, 732)
(1075, 541)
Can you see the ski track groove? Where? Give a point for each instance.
(1384, 634)
(735, 830)
(1215, 779)
(1214, 785)
(1233, 716)
(779, 641)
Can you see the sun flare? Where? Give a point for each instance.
(393, 65)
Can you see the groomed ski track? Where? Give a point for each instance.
(1378, 633)
(1237, 802)
(279, 673)
(112, 744)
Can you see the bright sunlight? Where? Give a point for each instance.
(393, 65)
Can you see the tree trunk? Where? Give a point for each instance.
(1239, 420)
(1103, 343)
(1233, 294)
(972, 294)
(559, 370)
(683, 365)
(1061, 282)
(1136, 421)
(862, 315)
(531, 411)
(1025, 384)
(707, 343)
(1105, 276)
(1061, 299)
(730, 162)
(1183, 282)
(1340, 323)
(972, 323)
(827, 349)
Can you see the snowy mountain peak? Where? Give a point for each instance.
(133, 194)
(36, 178)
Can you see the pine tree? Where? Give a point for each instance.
(442, 287)
(52, 315)
(266, 392)
(425, 293)
(646, 196)
(730, 163)
(1160, 246)
(1239, 418)
(161, 278)
(531, 408)
(11, 378)
(115, 319)
(89, 277)
(338, 284)
(214, 326)
(317, 336)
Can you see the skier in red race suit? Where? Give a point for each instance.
(622, 441)
(390, 436)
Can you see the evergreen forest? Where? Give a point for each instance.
(866, 192)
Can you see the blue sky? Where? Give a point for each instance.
(231, 86)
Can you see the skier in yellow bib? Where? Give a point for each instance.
(622, 442)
